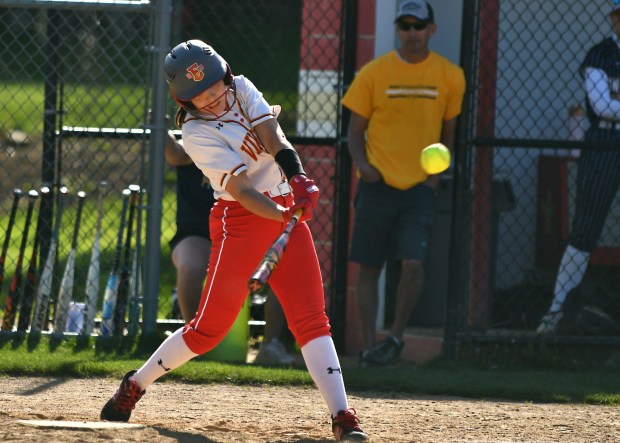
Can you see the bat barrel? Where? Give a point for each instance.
(92, 279)
(78, 218)
(13, 297)
(17, 194)
(31, 276)
(111, 292)
(44, 290)
(123, 285)
(272, 257)
(65, 292)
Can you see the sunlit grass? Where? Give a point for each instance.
(22, 106)
(21, 354)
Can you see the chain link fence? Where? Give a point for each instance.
(524, 128)
(76, 89)
(75, 79)
(77, 83)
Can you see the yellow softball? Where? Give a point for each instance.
(435, 158)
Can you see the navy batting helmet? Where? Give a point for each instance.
(192, 67)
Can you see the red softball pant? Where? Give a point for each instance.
(240, 239)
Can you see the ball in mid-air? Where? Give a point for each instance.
(435, 158)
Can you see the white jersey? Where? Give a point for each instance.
(228, 146)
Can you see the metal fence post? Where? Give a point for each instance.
(338, 305)
(156, 168)
(48, 168)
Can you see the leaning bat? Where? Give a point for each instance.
(17, 194)
(272, 257)
(111, 289)
(125, 274)
(31, 276)
(65, 292)
(44, 291)
(92, 279)
(11, 303)
(135, 289)
(135, 282)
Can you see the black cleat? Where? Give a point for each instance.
(119, 407)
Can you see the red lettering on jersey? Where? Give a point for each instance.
(196, 72)
(252, 146)
(248, 151)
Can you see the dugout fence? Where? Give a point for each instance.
(522, 133)
(78, 78)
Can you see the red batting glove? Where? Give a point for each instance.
(306, 214)
(304, 189)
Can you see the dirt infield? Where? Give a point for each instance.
(179, 412)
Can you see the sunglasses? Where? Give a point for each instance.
(408, 26)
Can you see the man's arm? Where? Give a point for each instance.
(357, 148)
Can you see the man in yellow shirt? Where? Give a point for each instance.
(400, 103)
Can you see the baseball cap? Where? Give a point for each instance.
(615, 5)
(422, 10)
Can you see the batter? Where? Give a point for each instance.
(231, 134)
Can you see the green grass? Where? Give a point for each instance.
(122, 106)
(21, 106)
(29, 355)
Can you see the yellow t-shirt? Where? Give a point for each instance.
(406, 105)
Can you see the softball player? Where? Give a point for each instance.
(597, 174)
(191, 244)
(231, 134)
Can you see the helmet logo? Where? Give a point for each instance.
(195, 72)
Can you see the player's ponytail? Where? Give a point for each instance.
(179, 118)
